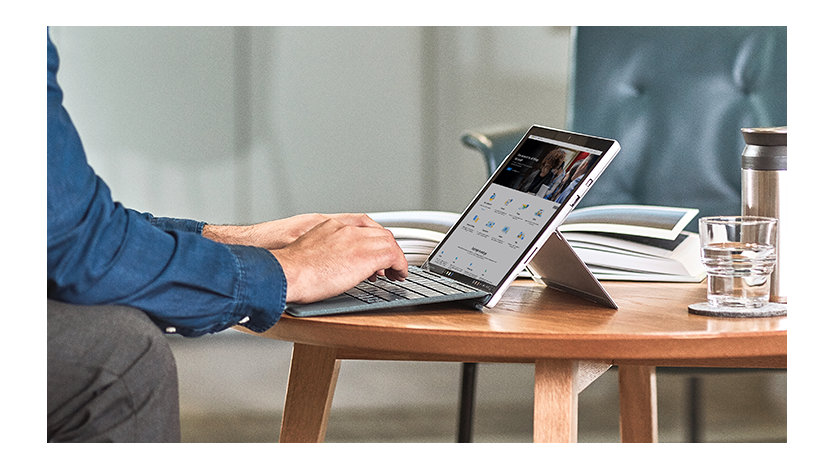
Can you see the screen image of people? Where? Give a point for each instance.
(521, 201)
(547, 170)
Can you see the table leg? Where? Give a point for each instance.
(556, 401)
(638, 403)
(313, 375)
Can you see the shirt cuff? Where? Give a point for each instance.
(262, 292)
(168, 224)
(180, 225)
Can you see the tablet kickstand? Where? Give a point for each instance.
(559, 267)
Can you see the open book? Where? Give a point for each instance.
(616, 242)
(636, 242)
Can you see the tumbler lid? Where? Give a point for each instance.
(767, 148)
(765, 135)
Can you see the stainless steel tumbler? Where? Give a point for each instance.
(764, 164)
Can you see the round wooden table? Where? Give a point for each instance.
(570, 340)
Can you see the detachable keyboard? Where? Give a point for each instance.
(421, 287)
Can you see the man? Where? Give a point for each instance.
(115, 277)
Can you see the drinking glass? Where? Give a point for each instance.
(739, 254)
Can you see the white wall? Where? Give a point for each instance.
(235, 125)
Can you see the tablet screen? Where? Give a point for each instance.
(537, 183)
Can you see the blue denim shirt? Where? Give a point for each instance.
(99, 252)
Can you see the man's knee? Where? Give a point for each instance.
(111, 376)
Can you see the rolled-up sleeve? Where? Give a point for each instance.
(99, 252)
(170, 223)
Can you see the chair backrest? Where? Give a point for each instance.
(676, 99)
(494, 144)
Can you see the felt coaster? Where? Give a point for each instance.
(771, 309)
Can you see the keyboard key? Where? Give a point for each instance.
(432, 279)
(397, 289)
(442, 288)
(372, 289)
(420, 284)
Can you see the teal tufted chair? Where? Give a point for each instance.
(676, 98)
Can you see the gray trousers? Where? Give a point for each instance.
(111, 376)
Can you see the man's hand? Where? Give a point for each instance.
(332, 257)
(322, 255)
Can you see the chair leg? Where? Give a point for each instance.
(694, 409)
(466, 412)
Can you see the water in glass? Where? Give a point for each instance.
(738, 273)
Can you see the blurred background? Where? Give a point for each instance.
(245, 124)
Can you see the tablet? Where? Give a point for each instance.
(519, 207)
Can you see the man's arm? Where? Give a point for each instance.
(99, 252)
(279, 233)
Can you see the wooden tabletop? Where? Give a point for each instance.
(532, 322)
(570, 340)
